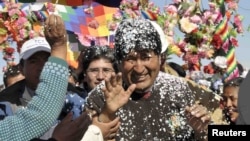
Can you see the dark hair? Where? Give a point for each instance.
(72, 72)
(11, 71)
(178, 68)
(21, 62)
(240, 68)
(98, 52)
(236, 82)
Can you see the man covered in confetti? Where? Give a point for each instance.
(152, 105)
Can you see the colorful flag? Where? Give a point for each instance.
(77, 20)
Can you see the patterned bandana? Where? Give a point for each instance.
(136, 35)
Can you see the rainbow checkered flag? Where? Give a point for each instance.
(63, 2)
(77, 20)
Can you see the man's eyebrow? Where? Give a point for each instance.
(130, 56)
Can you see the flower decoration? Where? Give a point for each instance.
(8, 54)
(206, 31)
(8, 57)
(93, 24)
(134, 9)
(88, 40)
(187, 26)
(14, 26)
(50, 7)
(9, 50)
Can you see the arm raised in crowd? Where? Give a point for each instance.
(45, 106)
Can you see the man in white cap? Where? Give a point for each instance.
(42, 111)
(34, 54)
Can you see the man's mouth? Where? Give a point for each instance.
(139, 78)
(230, 111)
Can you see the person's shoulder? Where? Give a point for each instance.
(162, 76)
(167, 82)
(12, 93)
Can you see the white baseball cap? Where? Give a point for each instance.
(34, 45)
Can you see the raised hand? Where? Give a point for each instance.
(114, 93)
(55, 34)
(54, 30)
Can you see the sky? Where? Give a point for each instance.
(242, 52)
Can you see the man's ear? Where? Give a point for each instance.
(160, 60)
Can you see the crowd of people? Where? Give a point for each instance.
(126, 93)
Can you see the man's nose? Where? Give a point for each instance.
(139, 66)
(229, 103)
(100, 75)
(40, 64)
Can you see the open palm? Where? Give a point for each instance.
(114, 93)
